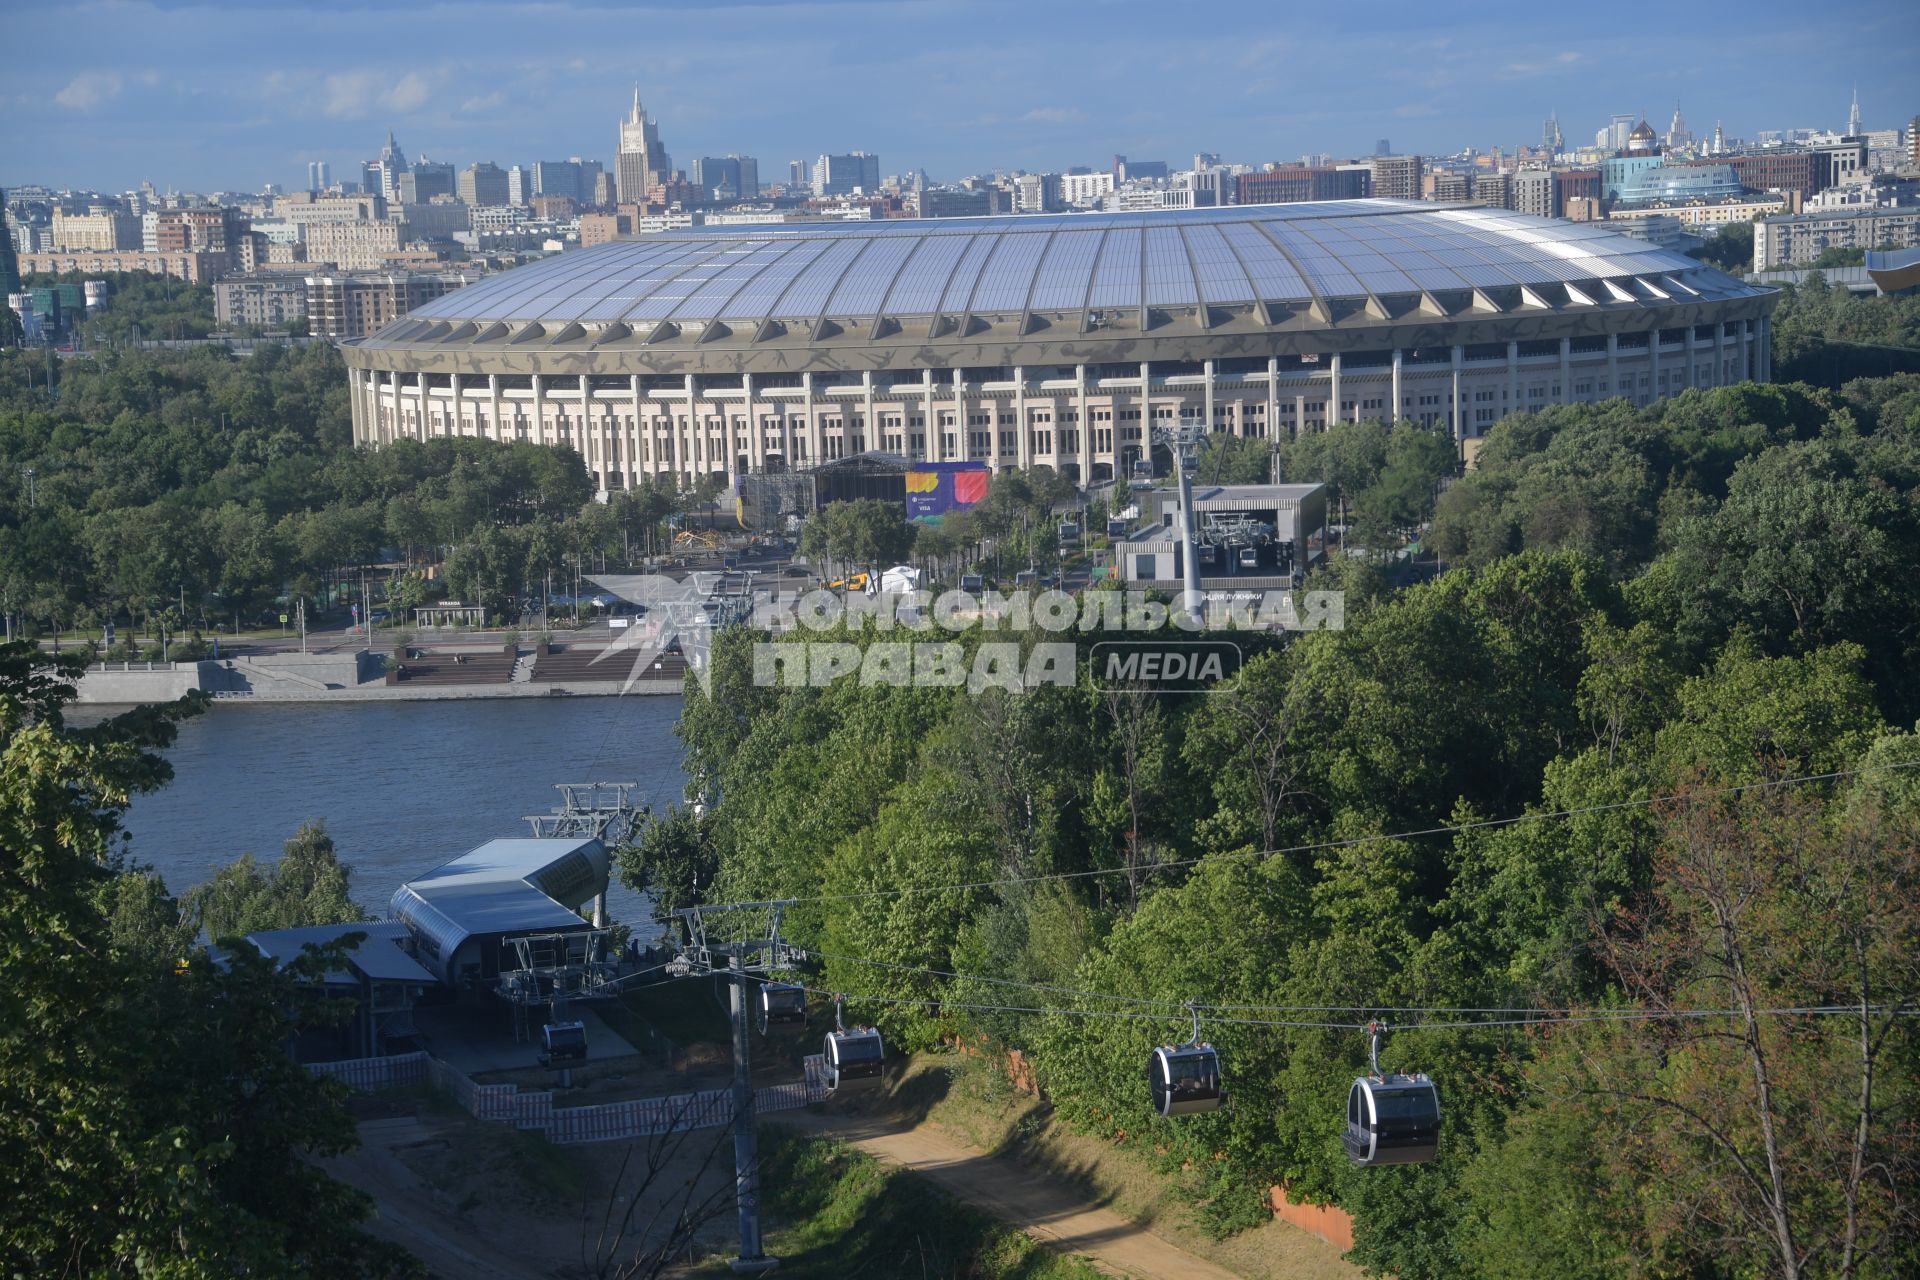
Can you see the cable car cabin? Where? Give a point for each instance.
(1392, 1119)
(783, 1007)
(562, 1044)
(1249, 557)
(853, 1058)
(1185, 1079)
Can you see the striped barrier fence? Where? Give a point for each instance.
(601, 1122)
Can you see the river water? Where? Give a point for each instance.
(402, 786)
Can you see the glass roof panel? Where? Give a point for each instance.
(812, 287)
(1274, 278)
(1169, 270)
(755, 300)
(729, 273)
(1116, 277)
(1216, 266)
(1329, 275)
(865, 286)
(1060, 284)
(611, 299)
(525, 297)
(1007, 278)
(960, 284)
(917, 291)
(668, 282)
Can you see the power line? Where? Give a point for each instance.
(1542, 1018)
(1322, 846)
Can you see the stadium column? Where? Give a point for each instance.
(1393, 410)
(690, 458)
(1765, 340)
(1653, 364)
(458, 426)
(960, 420)
(1023, 430)
(540, 411)
(816, 438)
(1333, 398)
(1513, 378)
(1084, 434)
(1691, 376)
(1722, 375)
(355, 398)
(420, 398)
(1613, 364)
(928, 419)
(1206, 393)
(1273, 401)
(642, 457)
(756, 438)
(870, 425)
(1459, 414)
(1565, 394)
(493, 407)
(596, 454)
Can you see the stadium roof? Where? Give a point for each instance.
(863, 272)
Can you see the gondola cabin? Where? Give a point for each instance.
(783, 1007)
(563, 1044)
(1392, 1119)
(853, 1058)
(1185, 1079)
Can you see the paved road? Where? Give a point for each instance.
(1052, 1213)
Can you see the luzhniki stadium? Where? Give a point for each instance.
(1055, 340)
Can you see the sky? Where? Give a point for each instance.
(232, 94)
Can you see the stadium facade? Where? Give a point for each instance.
(1050, 340)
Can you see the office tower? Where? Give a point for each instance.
(642, 160)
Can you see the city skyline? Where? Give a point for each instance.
(789, 80)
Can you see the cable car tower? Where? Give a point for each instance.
(742, 940)
(603, 811)
(1184, 443)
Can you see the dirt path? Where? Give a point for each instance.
(413, 1214)
(1042, 1207)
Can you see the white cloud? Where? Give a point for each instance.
(1055, 115)
(351, 95)
(480, 106)
(88, 90)
(411, 92)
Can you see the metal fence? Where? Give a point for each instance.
(601, 1122)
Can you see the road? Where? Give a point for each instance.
(1048, 1211)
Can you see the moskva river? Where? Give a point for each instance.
(402, 786)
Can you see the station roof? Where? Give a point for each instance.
(509, 886)
(378, 956)
(863, 273)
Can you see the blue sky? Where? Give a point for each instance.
(235, 93)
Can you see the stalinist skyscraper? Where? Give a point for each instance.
(642, 161)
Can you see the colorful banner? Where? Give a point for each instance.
(937, 489)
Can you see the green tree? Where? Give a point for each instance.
(307, 886)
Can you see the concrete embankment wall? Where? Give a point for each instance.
(309, 677)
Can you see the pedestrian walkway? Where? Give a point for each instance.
(1052, 1213)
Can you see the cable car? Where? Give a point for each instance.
(1249, 557)
(853, 1056)
(1185, 1079)
(562, 1044)
(1391, 1118)
(783, 1007)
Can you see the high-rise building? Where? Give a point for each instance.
(1384, 147)
(1494, 190)
(573, 178)
(9, 266)
(1396, 177)
(799, 174)
(319, 175)
(731, 177)
(1289, 184)
(484, 183)
(1853, 114)
(1036, 192)
(1536, 191)
(102, 230)
(842, 175)
(1551, 140)
(1677, 133)
(519, 183)
(642, 160)
(427, 179)
(390, 166)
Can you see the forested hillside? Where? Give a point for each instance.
(1645, 749)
